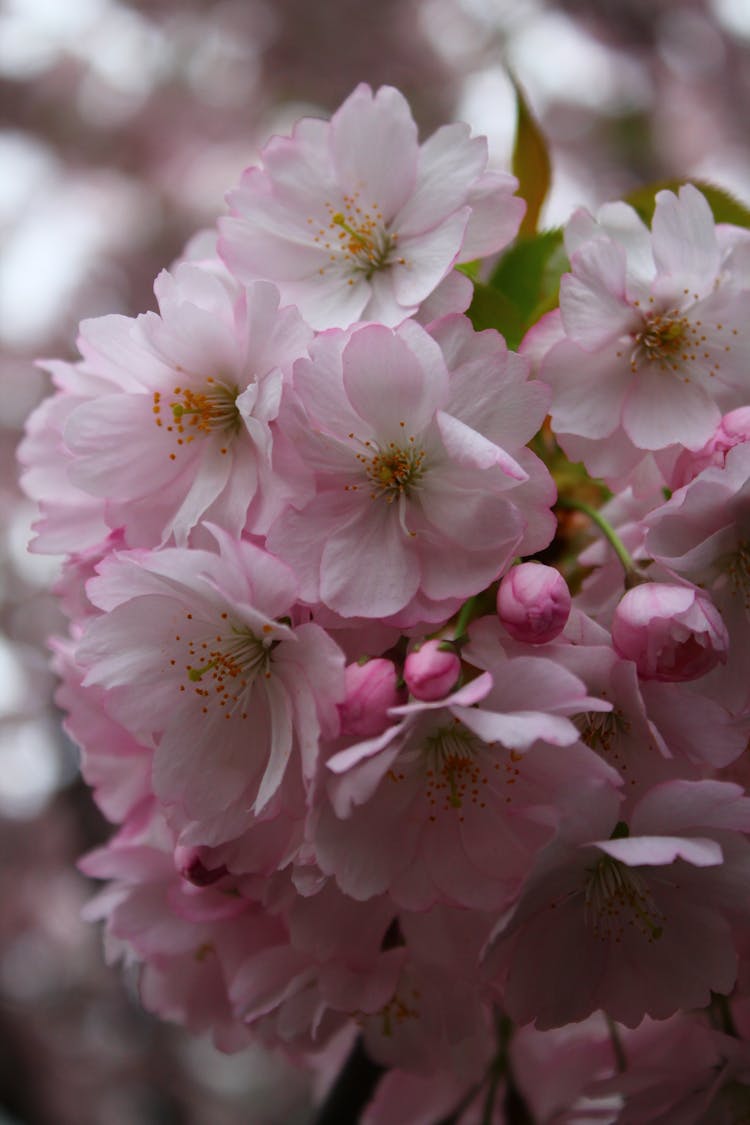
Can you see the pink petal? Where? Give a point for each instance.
(657, 850)
(428, 258)
(592, 298)
(661, 409)
(468, 447)
(373, 141)
(449, 162)
(684, 235)
(387, 384)
(369, 569)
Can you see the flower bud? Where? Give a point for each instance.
(189, 863)
(430, 671)
(672, 633)
(371, 689)
(533, 603)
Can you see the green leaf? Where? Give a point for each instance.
(492, 309)
(726, 209)
(529, 274)
(531, 161)
(471, 269)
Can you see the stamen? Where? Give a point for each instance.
(454, 774)
(674, 343)
(359, 235)
(394, 470)
(599, 728)
(194, 413)
(228, 667)
(397, 1010)
(616, 896)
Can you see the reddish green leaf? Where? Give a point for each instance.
(531, 161)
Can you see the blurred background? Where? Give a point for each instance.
(122, 125)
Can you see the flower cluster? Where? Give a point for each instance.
(373, 773)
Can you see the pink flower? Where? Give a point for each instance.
(533, 602)
(672, 633)
(424, 490)
(371, 689)
(186, 434)
(354, 220)
(656, 340)
(636, 919)
(334, 962)
(702, 534)
(198, 651)
(187, 940)
(70, 520)
(431, 670)
(115, 764)
(680, 1071)
(451, 803)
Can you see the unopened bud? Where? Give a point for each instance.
(533, 603)
(671, 633)
(189, 862)
(371, 689)
(431, 671)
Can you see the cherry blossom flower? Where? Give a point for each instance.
(431, 670)
(371, 690)
(533, 602)
(416, 462)
(354, 220)
(446, 805)
(702, 534)
(115, 764)
(635, 919)
(187, 941)
(186, 435)
(353, 800)
(671, 632)
(655, 340)
(198, 649)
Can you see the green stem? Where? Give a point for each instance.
(617, 1047)
(631, 574)
(465, 615)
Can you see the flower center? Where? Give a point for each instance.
(226, 666)
(615, 896)
(662, 340)
(358, 236)
(394, 470)
(397, 1010)
(599, 728)
(678, 344)
(453, 773)
(212, 410)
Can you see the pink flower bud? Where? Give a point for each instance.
(533, 603)
(189, 863)
(672, 633)
(371, 689)
(430, 672)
